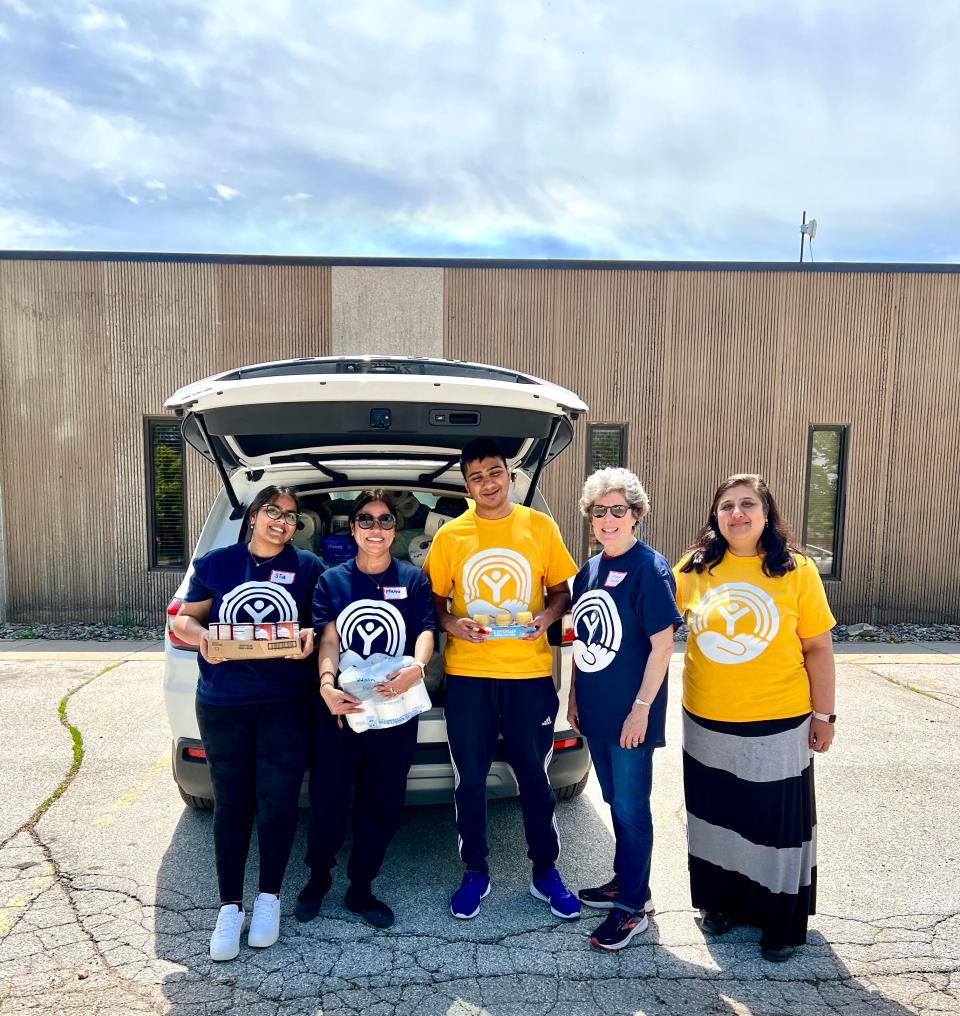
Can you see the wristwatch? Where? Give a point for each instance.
(826, 717)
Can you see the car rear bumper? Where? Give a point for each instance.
(430, 780)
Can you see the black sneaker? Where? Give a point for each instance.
(617, 930)
(311, 896)
(601, 898)
(360, 900)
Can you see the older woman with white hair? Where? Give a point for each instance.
(624, 617)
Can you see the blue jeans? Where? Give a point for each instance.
(625, 776)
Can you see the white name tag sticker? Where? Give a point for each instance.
(394, 592)
(285, 578)
(614, 578)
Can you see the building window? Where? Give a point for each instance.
(606, 445)
(826, 494)
(166, 494)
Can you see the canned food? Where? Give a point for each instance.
(266, 632)
(224, 631)
(243, 632)
(287, 630)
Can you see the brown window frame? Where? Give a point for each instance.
(839, 513)
(624, 429)
(150, 424)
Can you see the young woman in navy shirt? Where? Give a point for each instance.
(254, 715)
(371, 605)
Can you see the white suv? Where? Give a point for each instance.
(330, 427)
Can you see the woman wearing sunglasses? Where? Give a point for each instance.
(254, 714)
(624, 617)
(371, 605)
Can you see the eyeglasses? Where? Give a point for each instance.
(599, 511)
(275, 513)
(366, 521)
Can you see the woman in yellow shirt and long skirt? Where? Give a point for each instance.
(758, 701)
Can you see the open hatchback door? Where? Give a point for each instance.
(342, 414)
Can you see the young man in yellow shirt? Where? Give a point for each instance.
(500, 557)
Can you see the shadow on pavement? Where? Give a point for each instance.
(514, 959)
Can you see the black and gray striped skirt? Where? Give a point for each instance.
(752, 823)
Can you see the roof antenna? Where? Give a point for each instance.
(808, 230)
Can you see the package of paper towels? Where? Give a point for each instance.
(382, 711)
(417, 550)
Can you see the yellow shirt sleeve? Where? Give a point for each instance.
(437, 568)
(560, 565)
(815, 616)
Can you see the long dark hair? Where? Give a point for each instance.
(267, 496)
(777, 542)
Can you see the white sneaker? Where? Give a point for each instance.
(265, 923)
(225, 940)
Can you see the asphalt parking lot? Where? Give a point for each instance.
(108, 896)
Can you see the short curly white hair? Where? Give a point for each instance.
(603, 481)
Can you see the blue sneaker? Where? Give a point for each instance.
(465, 902)
(550, 889)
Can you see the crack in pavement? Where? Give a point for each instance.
(147, 944)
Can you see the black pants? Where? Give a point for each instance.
(369, 768)
(477, 710)
(257, 756)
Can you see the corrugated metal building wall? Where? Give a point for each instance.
(714, 368)
(89, 348)
(719, 372)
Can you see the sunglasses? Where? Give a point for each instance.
(275, 513)
(599, 511)
(367, 521)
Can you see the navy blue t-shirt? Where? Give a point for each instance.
(244, 592)
(374, 614)
(618, 603)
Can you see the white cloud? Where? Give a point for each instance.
(225, 192)
(299, 196)
(96, 19)
(20, 229)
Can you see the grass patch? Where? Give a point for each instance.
(76, 738)
(912, 687)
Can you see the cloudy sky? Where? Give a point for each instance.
(492, 128)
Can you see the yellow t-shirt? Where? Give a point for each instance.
(744, 659)
(489, 566)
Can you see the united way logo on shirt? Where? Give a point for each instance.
(495, 580)
(597, 631)
(748, 618)
(378, 625)
(256, 602)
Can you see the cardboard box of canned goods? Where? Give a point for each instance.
(254, 641)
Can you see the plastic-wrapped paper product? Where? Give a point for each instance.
(378, 711)
(418, 548)
(407, 504)
(402, 541)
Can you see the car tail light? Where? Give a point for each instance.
(563, 743)
(173, 608)
(197, 754)
(568, 629)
